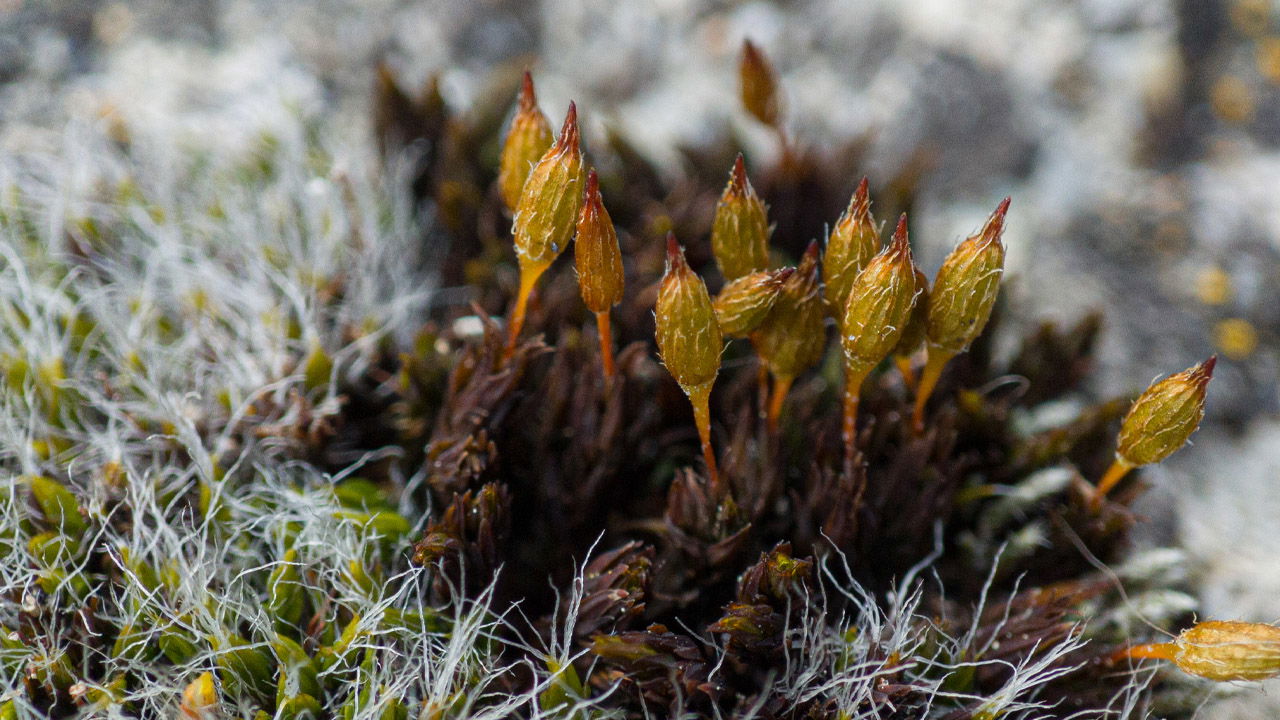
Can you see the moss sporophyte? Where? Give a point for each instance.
(960, 302)
(526, 142)
(689, 341)
(1159, 423)
(740, 230)
(599, 263)
(877, 311)
(547, 214)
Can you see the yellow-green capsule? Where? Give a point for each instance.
(964, 291)
(690, 342)
(1164, 416)
(1160, 422)
(547, 212)
(960, 303)
(740, 230)
(793, 336)
(1225, 651)
(689, 338)
(596, 254)
(758, 85)
(743, 304)
(527, 140)
(850, 246)
(879, 305)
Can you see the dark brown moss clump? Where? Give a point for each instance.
(699, 587)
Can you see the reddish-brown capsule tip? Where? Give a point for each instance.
(1204, 373)
(738, 182)
(810, 253)
(1003, 208)
(675, 254)
(862, 195)
(995, 224)
(899, 245)
(569, 132)
(528, 99)
(592, 195)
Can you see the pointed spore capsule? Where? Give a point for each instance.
(527, 140)
(878, 309)
(758, 85)
(1160, 422)
(960, 302)
(852, 243)
(547, 214)
(689, 340)
(740, 230)
(1223, 651)
(743, 304)
(599, 263)
(597, 256)
(879, 304)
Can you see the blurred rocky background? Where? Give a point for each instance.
(1139, 139)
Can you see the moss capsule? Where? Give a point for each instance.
(527, 140)
(740, 230)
